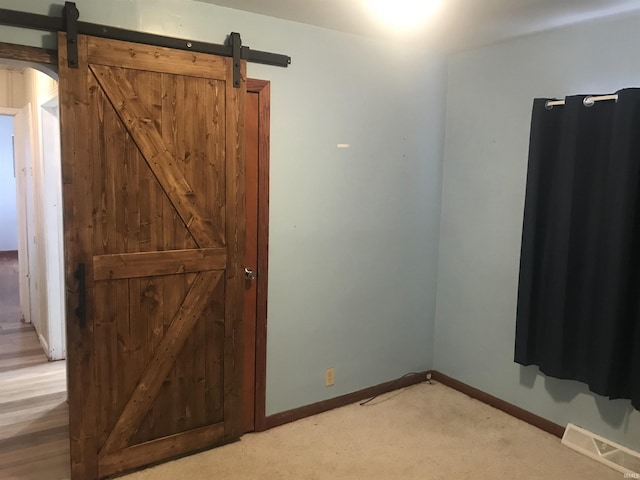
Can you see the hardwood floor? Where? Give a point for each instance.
(34, 438)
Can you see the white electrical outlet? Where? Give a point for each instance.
(329, 377)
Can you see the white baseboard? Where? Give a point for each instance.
(44, 345)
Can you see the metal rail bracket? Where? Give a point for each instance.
(236, 48)
(71, 15)
(69, 23)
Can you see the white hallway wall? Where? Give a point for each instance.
(353, 232)
(49, 290)
(11, 88)
(490, 95)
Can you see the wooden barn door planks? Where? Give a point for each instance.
(153, 175)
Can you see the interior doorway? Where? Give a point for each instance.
(33, 409)
(29, 98)
(10, 312)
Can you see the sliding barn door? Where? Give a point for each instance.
(153, 174)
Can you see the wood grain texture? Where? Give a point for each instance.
(162, 361)
(76, 106)
(160, 215)
(148, 264)
(263, 89)
(191, 395)
(149, 307)
(235, 235)
(107, 358)
(152, 58)
(161, 449)
(169, 406)
(133, 214)
(28, 54)
(138, 121)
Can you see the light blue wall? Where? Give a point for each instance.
(8, 209)
(353, 232)
(490, 94)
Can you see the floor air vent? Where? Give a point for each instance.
(605, 451)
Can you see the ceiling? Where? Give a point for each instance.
(458, 25)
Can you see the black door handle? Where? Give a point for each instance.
(81, 311)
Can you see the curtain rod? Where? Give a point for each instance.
(588, 101)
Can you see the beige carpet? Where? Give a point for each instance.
(423, 432)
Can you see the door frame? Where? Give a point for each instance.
(53, 229)
(263, 89)
(40, 307)
(21, 132)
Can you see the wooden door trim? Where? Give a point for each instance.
(23, 53)
(263, 89)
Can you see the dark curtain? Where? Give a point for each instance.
(578, 311)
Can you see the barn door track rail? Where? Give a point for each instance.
(70, 24)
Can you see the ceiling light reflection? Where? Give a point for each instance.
(404, 15)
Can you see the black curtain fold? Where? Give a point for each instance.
(578, 313)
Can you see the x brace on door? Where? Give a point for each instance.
(69, 23)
